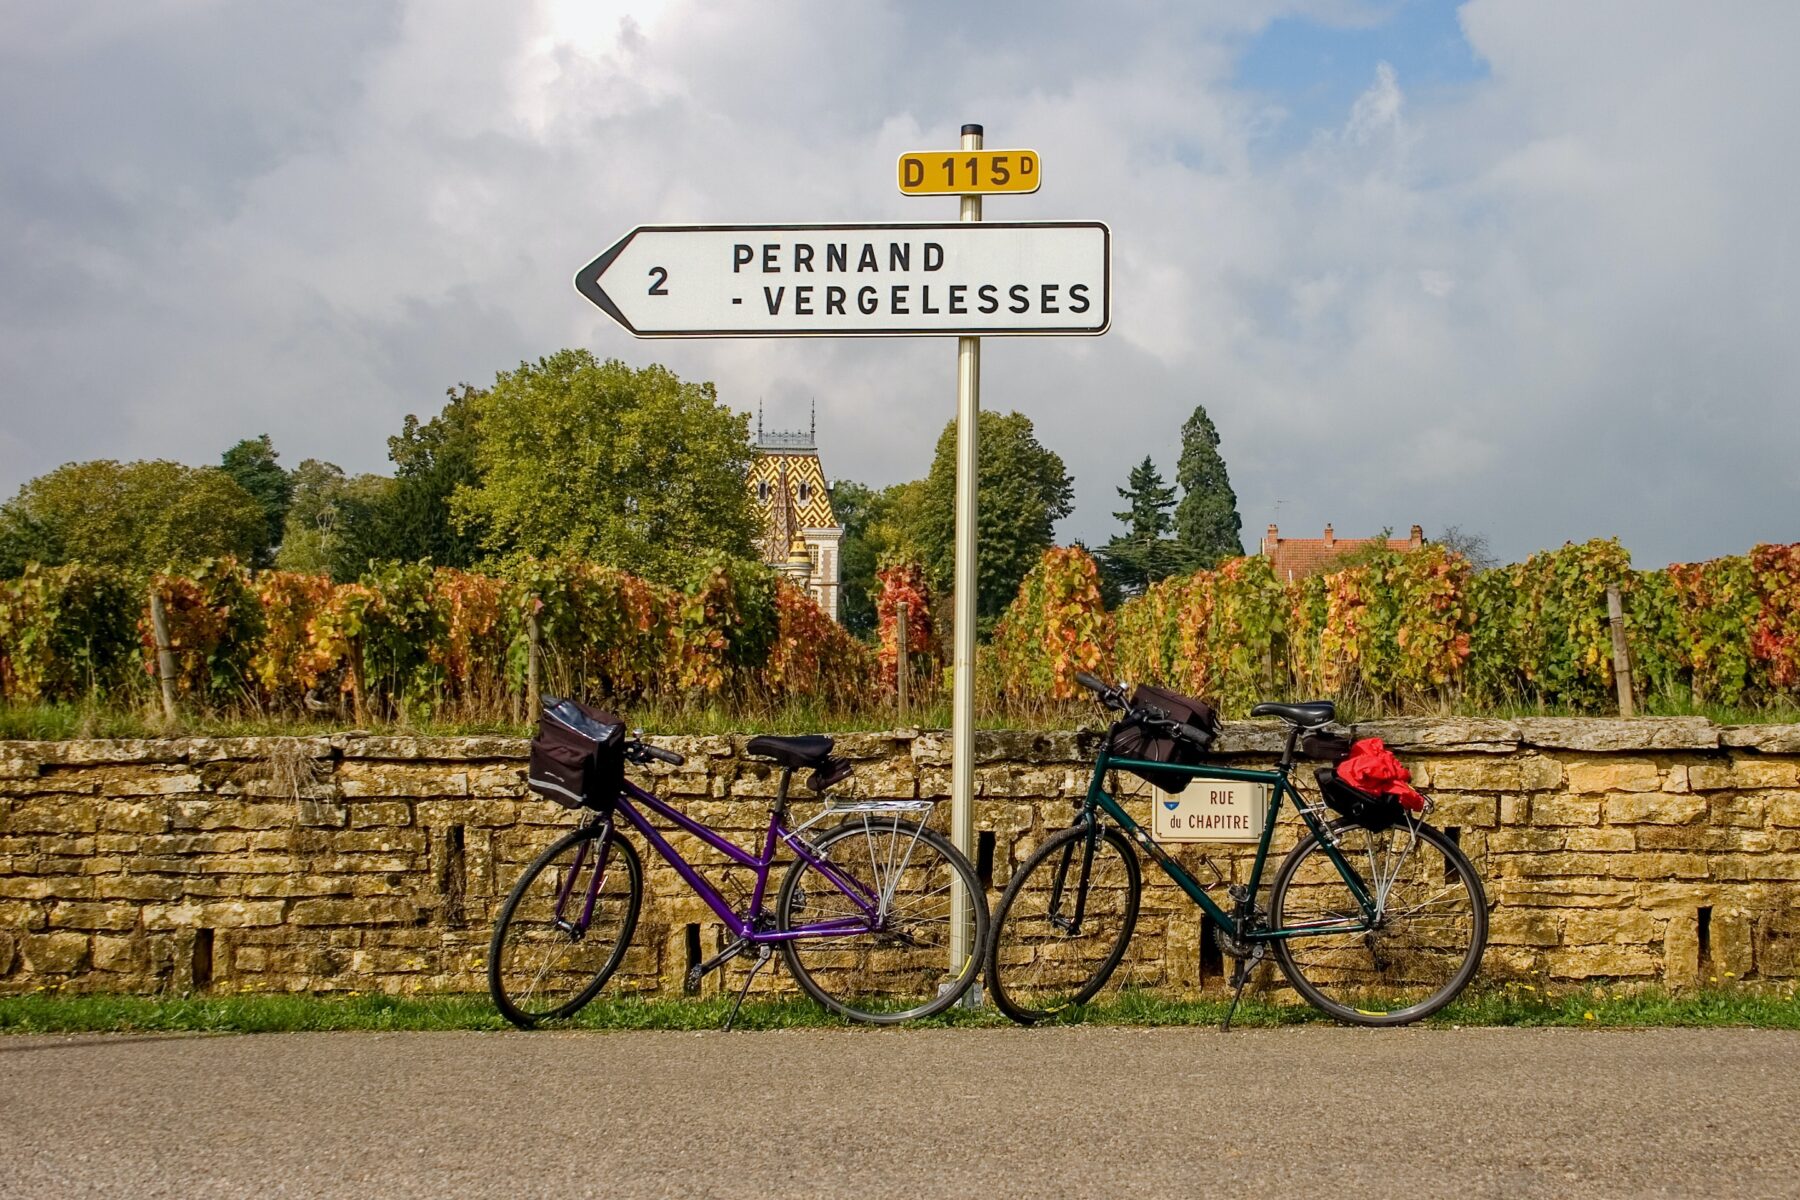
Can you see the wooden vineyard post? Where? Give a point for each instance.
(165, 654)
(533, 692)
(358, 699)
(1615, 614)
(903, 667)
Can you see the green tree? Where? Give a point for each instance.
(635, 469)
(1144, 553)
(1206, 521)
(136, 517)
(1022, 491)
(879, 531)
(331, 522)
(432, 459)
(252, 463)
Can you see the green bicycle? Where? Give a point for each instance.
(1375, 917)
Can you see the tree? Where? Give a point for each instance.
(879, 532)
(1206, 521)
(330, 524)
(635, 469)
(136, 517)
(252, 463)
(1143, 554)
(1470, 544)
(432, 459)
(1022, 491)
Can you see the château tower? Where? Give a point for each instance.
(801, 534)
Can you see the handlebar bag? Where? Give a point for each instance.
(1136, 737)
(578, 755)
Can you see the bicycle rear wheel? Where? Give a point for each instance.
(895, 967)
(1063, 924)
(1424, 945)
(550, 954)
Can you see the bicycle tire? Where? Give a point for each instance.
(521, 1014)
(1024, 1004)
(796, 906)
(1312, 989)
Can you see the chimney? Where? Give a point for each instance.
(1330, 538)
(1418, 537)
(1270, 538)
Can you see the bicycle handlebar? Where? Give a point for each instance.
(644, 752)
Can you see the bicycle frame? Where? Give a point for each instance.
(747, 926)
(1279, 785)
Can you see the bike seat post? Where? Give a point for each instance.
(1287, 754)
(781, 793)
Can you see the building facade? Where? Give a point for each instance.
(1296, 558)
(801, 536)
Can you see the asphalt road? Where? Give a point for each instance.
(989, 1113)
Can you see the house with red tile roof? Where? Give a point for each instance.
(1296, 558)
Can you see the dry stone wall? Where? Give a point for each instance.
(1653, 850)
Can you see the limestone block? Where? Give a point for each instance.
(1641, 733)
(1770, 739)
(126, 816)
(1466, 734)
(1474, 775)
(1681, 949)
(1605, 962)
(379, 813)
(1744, 772)
(1731, 942)
(1464, 811)
(1656, 808)
(88, 914)
(1626, 927)
(213, 914)
(1601, 839)
(1524, 927)
(1676, 779)
(1540, 773)
(493, 814)
(1613, 775)
(152, 783)
(358, 779)
(111, 751)
(230, 814)
(50, 816)
(122, 955)
(1715, 839)
(1564, 810)
(1784, 809)
(1515, 810)
(54, 953)
(367, 911)
(1513, 840)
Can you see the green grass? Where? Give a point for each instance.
(1512, 1005)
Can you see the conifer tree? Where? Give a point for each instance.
(1206, 521)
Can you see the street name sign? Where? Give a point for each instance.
(857, 280)
(969, 172)
(1209, 810)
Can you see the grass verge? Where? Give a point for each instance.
(1514, 1005)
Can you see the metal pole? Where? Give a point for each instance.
(962, 705)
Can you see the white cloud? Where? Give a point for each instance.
(1552, 303)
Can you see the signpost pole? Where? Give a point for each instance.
(962, 713)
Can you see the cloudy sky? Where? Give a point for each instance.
(1527, 267)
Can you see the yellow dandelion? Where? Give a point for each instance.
(1731, 974)
(1589, 1015)
(1715, 979)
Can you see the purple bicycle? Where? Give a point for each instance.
(863, 916)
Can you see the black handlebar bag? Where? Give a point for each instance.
(1134, 737)
(578, 755)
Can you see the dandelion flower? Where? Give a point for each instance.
(1588, 1015)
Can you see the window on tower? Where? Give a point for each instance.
(805, 491)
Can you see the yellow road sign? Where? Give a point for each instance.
(968, 172)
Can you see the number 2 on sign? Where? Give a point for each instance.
(661, 277)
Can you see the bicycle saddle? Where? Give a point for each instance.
(796, 752)
(1307, 715)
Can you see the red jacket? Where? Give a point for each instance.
(1372, 767)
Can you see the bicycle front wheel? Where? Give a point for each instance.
(1063, 923)
(882, 896)
(1424, 944)
(552, 952)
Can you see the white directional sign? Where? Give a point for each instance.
(962, 278)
